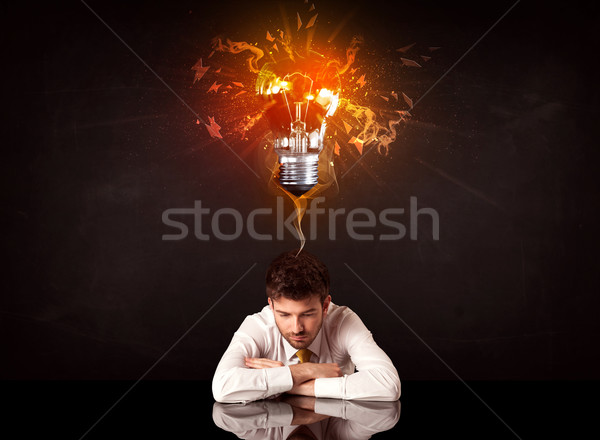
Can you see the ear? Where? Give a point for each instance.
(270, 303)
(326, 305)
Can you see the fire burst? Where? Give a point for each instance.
(307, 107)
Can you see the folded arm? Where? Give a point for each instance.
(303, 375)
(376, 377)
(235, 382)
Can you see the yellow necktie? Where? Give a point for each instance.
(304, 355)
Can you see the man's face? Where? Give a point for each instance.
(299, 321)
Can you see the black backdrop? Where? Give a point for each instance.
(96, 148)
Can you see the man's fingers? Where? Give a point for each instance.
(328, 370)
(338, 370)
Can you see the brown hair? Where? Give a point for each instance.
(297, 277)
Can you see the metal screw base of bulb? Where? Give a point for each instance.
(299, 176)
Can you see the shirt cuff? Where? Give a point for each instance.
(279, 414)
(331, 407)
(279, 379)
(330, 387)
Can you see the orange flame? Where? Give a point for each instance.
(367, 126)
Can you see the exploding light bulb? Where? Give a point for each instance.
(300, 94)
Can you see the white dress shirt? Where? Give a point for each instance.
(343, 339)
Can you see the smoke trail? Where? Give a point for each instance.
(355, 44)
(300, 204)
(237, 47)
(372, 130)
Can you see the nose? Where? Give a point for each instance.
(297, 325)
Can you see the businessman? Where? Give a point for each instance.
(302, 343)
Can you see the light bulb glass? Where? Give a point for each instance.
(298, 118)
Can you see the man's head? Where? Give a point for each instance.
(298, 292)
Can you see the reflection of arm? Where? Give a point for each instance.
(304, 409)
(233, 382)
(243, 420)
(376, 379)
(356, 420)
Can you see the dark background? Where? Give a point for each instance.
(96, 148)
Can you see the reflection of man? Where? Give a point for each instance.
(302, 343)
(299, 417)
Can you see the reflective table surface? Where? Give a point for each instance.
(299, 417)
(182, 409)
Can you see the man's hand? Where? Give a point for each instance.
(304, 389)
(307, 371)
(262, 363)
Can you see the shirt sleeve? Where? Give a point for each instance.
(233, 382)
(355, 419)
(376, 377)
(241, 419)
(358, 419)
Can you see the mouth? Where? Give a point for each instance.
(298, 338)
